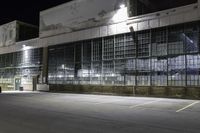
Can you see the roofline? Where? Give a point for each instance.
(20, 22)
(28, 24)
(14, 21)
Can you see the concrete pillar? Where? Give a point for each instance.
(45, 65)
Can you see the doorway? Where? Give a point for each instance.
(34, 82)
(17, 83)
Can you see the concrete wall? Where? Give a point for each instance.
(8, 34)
(81, 20)
(97, 32)
(171, 92)
(20, 46)
(81, 14)
(154, 20)
(27, 87)
(165, 18)
(15, 31)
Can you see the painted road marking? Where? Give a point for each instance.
(109, 102)
(144, 104)
(188, 106)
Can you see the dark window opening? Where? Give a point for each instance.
(140, 7)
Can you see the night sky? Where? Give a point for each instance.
(26, 11)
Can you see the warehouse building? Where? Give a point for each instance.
(19, 64)
(134, 47)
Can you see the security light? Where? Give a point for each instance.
(122, 6)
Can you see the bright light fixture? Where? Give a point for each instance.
(122, 6)
(25, 47)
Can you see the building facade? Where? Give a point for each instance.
(134, 47)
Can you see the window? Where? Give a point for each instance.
(60, 66)
(119, 47)
(176, 40)
(108, 72)
(143, 44)
(87, 51)
(130, 46)
(97, 50)
(68, 64)
(176, 71)
(52, 66)
(193, 70)
(159, 71)
(191, 34)
(20, 64)
(78, 61)
(130, 71)
(96, 70)
(158, 57)
(144, 69)
(108, 48)
(159, 42)
(96, 73)
(120, 71)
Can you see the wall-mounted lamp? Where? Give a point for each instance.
(122, 6)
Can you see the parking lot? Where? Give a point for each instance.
(78, 113)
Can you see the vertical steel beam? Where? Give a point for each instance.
(91, 60)
(45, 65)
(74, 46)
(114, 60)
(150, 55)
(102, 60)
(185, 53)
(167, 42)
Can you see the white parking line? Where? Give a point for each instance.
(108, 102)
(188, 106)
(144, 104)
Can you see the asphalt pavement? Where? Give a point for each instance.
(78, 113)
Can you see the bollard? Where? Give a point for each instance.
(0, 89)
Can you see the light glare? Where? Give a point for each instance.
(122, 6)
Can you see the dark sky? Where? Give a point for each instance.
(28, 10)
(166, 4)
(25, 10)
